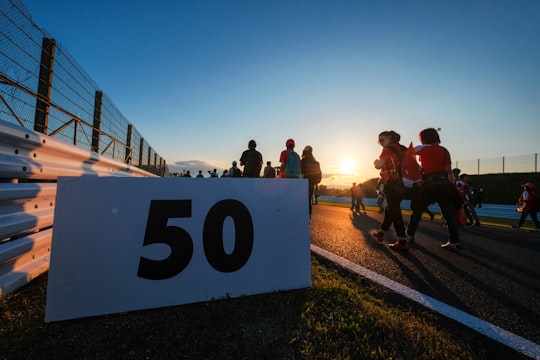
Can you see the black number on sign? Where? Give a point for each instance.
(213, 235)
(178, 240)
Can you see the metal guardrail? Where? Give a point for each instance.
(488, 210)
(30, 164)
(26, 154)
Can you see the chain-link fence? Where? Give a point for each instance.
(505, 164)
(43, 88)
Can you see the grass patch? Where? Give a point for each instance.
(341, 316)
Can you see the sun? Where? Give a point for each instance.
(347, 167)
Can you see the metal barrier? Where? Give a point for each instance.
(30, 163)
(487, 210)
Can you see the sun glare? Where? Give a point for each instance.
(347, 167)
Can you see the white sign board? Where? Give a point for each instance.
(122, 244)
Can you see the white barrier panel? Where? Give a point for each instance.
(122, 244)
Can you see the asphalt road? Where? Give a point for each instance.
(496, 277)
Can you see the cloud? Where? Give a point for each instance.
(195, 165)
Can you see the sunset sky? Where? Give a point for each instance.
(199, 79)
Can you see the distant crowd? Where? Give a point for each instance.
(292, 166)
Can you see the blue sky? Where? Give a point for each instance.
(199, 79)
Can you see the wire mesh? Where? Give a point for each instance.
(71, 107)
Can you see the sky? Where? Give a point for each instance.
(198, 79)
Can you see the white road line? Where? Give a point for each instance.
(494, 332)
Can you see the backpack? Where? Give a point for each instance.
(292, 167)
(400, 155)
(410, 169)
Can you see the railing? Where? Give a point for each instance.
(30, 163)
(504, 164)
(43, 88)
(487, 210)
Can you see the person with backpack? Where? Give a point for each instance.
(290, 161)
(252, 161)
(389, 162)
(311, 170)
(529, 204)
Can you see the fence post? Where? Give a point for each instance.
(98, 104)
(141, 147)
(129, 155)
(503, 164)
(149, 158)
(41, 118)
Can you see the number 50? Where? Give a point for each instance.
(181, 244)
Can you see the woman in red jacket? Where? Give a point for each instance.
(389, 163)
(439, 184)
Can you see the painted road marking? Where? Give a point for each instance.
(485, 328)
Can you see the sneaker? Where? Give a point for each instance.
(379, 235)
(399, 245)
(450, 246)
(516, 227)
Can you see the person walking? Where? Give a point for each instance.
(389, 162)
(438, 187)
(354, 198)
(468, 203)
(361, 190)
(252, 161)
(311, 170)
(528, 204)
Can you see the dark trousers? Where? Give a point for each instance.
(392, 214)
(533, 217)
(443, 194)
